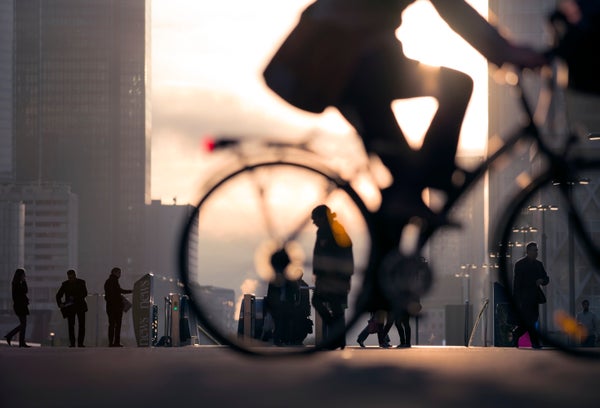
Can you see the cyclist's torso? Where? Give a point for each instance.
(362, 14)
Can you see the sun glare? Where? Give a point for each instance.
(434, 43)
(222, 48)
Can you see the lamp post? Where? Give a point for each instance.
(490, 268)
(543, 208)
(571, 241)
(465, 273)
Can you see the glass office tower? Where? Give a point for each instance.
(82, 116)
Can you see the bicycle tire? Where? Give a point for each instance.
(326, 176)
(579, 232)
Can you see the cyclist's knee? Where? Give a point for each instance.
(456, 83)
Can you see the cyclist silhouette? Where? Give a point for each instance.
(344, 53)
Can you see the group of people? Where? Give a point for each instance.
(70, 298)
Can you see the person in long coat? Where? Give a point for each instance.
(114, 306)
(74, 292)
(20, 306)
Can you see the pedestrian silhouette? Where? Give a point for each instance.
(282, 295)
(375, 325)
(333, 266)
(113, 295)
(20, 306)
(74, 292)
(529, 276)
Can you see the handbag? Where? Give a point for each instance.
(372, 326)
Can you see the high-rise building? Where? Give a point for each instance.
(164, 224)
(12, 235)
(82, 117)
(41, 233)
(7, 167)
(527, 22)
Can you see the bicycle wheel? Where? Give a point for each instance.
(246, 256)
(562, 214)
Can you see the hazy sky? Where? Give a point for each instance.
(207, 60)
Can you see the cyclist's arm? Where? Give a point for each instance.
(484, 37)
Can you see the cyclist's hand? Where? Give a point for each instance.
(525, 57)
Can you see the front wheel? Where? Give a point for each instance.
(245, 226)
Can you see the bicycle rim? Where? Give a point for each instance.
(227, 251)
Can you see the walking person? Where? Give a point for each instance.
(375, 325)
(74, 305)
(529, 276)
(589, 323)
(333, 266)
(114, 306)
(20, 306)
(407, 302)
(402, 322)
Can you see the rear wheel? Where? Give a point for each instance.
(562, 215)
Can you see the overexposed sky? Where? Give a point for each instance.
(221, 47)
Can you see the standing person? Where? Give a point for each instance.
(74, 292)
(114, 306)
(529, 276)
(587, 320)
(20, 303)
(333, 266)
(282, 294)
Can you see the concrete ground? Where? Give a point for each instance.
(372, 377)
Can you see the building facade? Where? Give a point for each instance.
(82, 118)
(47, 216)
(571, 276)
(7, 167)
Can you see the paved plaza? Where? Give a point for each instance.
(214, 376)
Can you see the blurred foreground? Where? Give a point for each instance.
(216, 376)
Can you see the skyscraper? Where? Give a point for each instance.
(82, 117)
(6, 90)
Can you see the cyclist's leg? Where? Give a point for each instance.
(385, 75)
(441, 141)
